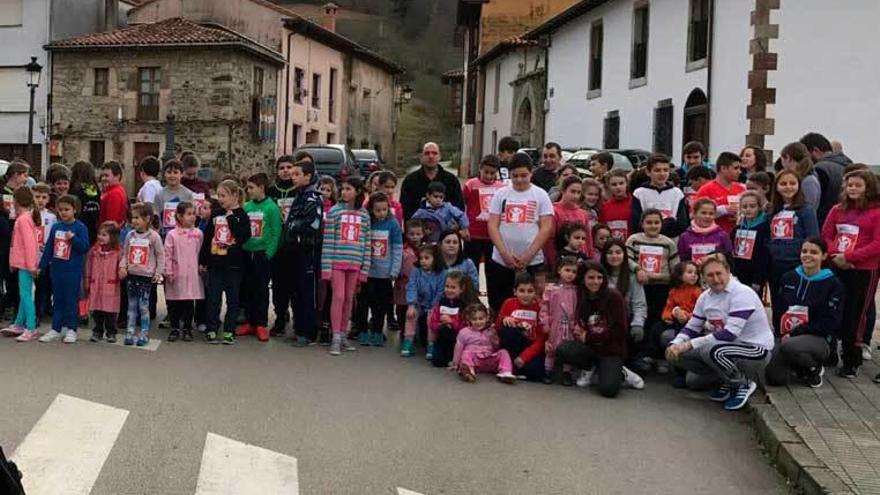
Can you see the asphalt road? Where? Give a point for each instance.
(366, 423)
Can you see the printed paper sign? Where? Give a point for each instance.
(700, 251)
(847, 237)
(62, 246)
(284, 206)
(744, 244)
(138, 252)
(664, 209)
(733, 200)
(222, 234)
(651, 258)
(782, 225)
(169, 217)
(9, 204)
(714, 320)
(448, 310)
(619, 229)
(256, 220)
(691, 197)
(525, 316)
(486, 195)
(379, 243)
(198, 201)
(793, 318)
(41, 233)
(351, 229)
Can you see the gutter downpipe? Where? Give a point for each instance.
(709, 75)
(287, 88)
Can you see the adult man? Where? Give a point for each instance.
(600, 165)
(191, 179)
(507, 147)
(738, 348)
(829, 166)
(415, 185)
(693, 155)
(545, 177)
(725, 190)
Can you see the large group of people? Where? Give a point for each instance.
(589, 280)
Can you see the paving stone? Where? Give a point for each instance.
(817, 481)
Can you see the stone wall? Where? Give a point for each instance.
(209, 91)
(371, 110)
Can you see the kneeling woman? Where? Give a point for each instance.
(601, 331)
(813, 298)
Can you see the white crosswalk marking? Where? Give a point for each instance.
(83, 336)
(404, 491)
(232, 467)
(66, 450)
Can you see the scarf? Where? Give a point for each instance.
(703, 230)
(758, 220)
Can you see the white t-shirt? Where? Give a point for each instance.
(520, 213)
(148, 191)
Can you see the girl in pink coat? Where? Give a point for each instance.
(23, 258)
(183, 285)
(476, 349)
(558, 307)
(102, 282)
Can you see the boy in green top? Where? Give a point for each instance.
(265, 220)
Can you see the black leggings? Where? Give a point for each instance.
(514, 342)
(609, 368)
(181, 314)
(861, 285)
(377, 294)
(105, 323)
(499, 280)
(444, 346)
(796, 354)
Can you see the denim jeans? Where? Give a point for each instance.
(138, 289)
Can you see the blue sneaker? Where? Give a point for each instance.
(129, 340)
(720, 394)
(378, 340)
(406, 349)
(429, 355)
(141, 342)
(364, 339)
(739, 396)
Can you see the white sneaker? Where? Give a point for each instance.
(50, 336)
(506, 377)
(632, 380)
(70, 337)
(866, 352)
(585, 378)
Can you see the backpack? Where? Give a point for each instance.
(10, 477)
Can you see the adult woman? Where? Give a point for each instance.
(737, 349)
(84, 186)
(796, 157)
(813, 296)
(852, 231)
(454, 259)
(565, 172)
(600, 333)
(753, 160)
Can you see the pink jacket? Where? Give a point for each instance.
(856, 233)
(23, 253)
(102, 279)
(182, 280)
(473, 340)
(406, 266)
(557, 314)
(561, 215)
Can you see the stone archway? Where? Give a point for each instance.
(696, 122)
(525, 122)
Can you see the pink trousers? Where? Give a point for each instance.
(344, 284)
(487, 362)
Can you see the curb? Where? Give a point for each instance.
(792, 457)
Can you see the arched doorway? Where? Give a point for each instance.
(524, 123)
(696, 122)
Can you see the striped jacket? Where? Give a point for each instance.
(346, 241)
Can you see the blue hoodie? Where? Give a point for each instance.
(386, 248)
(822, 293)
(789, 250)
(424, 289)
(751, 268)
(79, 246)
(445, 217)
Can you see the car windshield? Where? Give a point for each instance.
(327, 160)
(365, 155)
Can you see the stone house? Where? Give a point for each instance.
(120, 95)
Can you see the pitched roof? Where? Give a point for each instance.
(265, 3)
(452, 74)
(503, 46)
(565, 17)
(173, 32)
(341, 43)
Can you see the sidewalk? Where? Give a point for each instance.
(825, 440)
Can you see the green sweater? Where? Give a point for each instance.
(265, 218)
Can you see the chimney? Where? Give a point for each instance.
(328, 20)
(111, 15)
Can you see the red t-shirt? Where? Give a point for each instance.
(615, 213)
(723, 197)
(526, 313)
(114, 205)
(477, 196)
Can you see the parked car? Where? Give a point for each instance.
(335, 160)
(534, 154)
(581, 160)
(636, 156)
(368, 160)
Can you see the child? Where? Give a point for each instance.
(168, 197)
(265, 223)
(615, 212)
(751, 260)
(704, 236)
(282, 192)
(23, 258)
(141, 266)
(521, 334)
(652, 256)
(345, 259)
(440, 215)
(760, 182)
(790, 223)
(572, 238)
(601, 234)
(149, 171)
(683, 294)
(592, 195)
(67, 245)
(660, 194)
(697, 177)
(183, 282)
(558, 306)
(476, 348)
(622, 278)
(114, 200)
(568, 210)
(223, 258)
(724, 191)
(58, 178)
(42, 197)
(386, 251)
(409, 260)
(206, 211)
(386, 182)
(425, 285)
(446, 320)
(478, 192)
(102, 282)
(852, 231)
(327, 188)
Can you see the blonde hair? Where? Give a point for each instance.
(233, 188)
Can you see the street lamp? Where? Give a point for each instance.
(34, 70)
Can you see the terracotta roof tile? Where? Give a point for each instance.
(174, 31)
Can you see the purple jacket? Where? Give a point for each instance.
(693, 246)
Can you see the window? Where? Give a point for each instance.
(96, 153)
(102, 76)
(494, 141)
(297, 129)
(331, 138)
(698, 31)
(298, 90)
(497, 88)
(331, 101)
(639, 63)
(611, 138)
(663, 115)
(316, 90)
(148, 93)
(258, 81)
(595, 68)
(10, 12)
